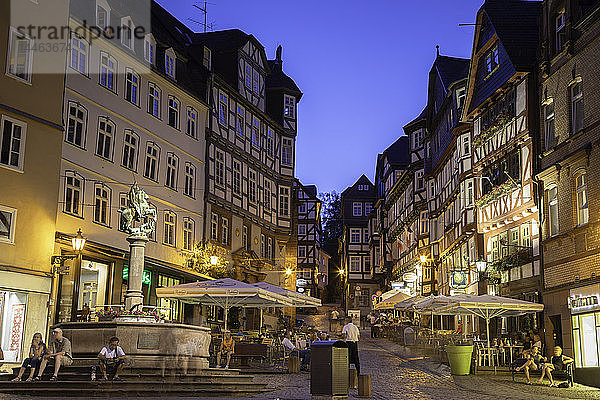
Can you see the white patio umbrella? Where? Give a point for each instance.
(432, 304)
(391, 302)
(487, 307)
(225, 293)
(296, 299)
(407, 305)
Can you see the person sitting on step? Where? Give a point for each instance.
(36, 352)
(227, 348)
(59, 354)
(112, 359)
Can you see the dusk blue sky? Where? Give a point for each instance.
(362, 66)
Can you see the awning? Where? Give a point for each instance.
(391, 301)
(297, 299)
(407, 305)
(225, 293)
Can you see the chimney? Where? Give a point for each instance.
(278, 61)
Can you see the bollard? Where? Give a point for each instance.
(364, 386)
(293, 365)
(352, 379)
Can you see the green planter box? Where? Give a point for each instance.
(460, 359)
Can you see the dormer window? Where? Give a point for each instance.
(207, 58)
(127, 29)
(492, 60)
(149, 48)
(460, 97)
(102, 14)
(289, 109)
(561, 31)
(170, 63)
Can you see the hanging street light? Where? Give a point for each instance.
(78, 242)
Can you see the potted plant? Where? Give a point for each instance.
(459, 356)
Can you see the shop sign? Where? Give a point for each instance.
(397, 285)
(301, 282)
(300, 290)
(578, 302)
(458, 280)
(409, 277)
(146, 275)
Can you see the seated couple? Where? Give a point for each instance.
(59, 354)
(535, 361)
(291, 349)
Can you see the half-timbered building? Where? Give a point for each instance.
(250, 155)
(384, 252)
(501, 103)
(357, 203)
(569, 180)
(449, 181)
(307, 231)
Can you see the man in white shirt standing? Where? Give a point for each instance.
(352, 335)
(112, 357)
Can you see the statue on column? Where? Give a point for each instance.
(138, 210)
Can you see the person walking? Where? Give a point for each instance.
(352, 335)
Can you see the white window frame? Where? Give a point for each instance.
(71, 187)
(188, 233)
(73, 121)
(269, 140)
(224, 230)
(289, 108)
(102, 4)
(549, 125)
(207, 58)
(284, 201)
(12, 225)
(152, 161)
(355, 235)
(169, 231)
(154, 99)
(560, 32)
(267, 194)
(173, 112)
(287, 156)
(170, 63)
(240, 117)
(357, 209)
(102, 202)
(237, 177)
(191, 118)
(132, 86)
(172, 171)
(553, 209)
(301, 229)
(150, 49)
(354, 264)
(12, 68)
(301, 251)
(219, 168)
(581, 198)
(223, 108)
(190, 180)
(251, 186)
(576, 104)
(131, 143)
(21, 140)
(105, 150)
(127, 29)
(214, 227)
(108, 71)
(79, 54)
(492, 59)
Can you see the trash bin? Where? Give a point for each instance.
(329, 368)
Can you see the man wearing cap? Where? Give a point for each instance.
(59, 353)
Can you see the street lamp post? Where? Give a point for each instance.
(77, 244)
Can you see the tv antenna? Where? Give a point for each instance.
(204, 9)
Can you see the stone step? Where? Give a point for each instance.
(167, 372)
(133, 376)
(7, 387)
(59, 391)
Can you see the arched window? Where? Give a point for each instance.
(74, 184)
(108, 71)
(130, 150)
(188, 233)
(552, 201)
(172, 167)
(190, 180)
(151, 164)
(169, 228)
(76, 124)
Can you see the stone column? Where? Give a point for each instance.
(137, 247)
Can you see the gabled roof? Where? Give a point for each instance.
(398, 154)
(363, 180)
(417, 122)
(451, 69)
(516, 23)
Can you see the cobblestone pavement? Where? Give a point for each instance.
(397, 374)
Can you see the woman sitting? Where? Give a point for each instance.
(227, 348)
(36, 353)
(532, 360)
(558, 362)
